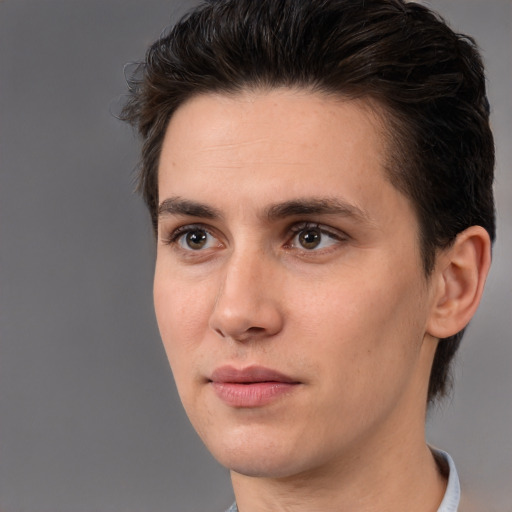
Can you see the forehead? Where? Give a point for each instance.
(283, 135)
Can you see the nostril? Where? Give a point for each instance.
(249, 334)
(255, 330)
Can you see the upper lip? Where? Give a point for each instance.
(251, 374)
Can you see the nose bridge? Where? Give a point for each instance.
(246, 305)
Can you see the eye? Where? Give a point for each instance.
(194, 239)
(313, 237)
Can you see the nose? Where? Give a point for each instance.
(247, 306)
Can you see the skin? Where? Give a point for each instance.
(350, 317)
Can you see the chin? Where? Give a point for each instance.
(260, 457)
(262, 465)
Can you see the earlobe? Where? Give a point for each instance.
(461, 273)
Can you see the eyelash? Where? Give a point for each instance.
(304, 226)
(177, 233)
(294, 230)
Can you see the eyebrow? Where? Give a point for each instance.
(291, 208)
(316, 206)
(185, 207)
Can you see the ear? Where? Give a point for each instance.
(460, 274)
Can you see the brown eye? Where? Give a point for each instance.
(315, 237)
(195, 239)
(310, 238)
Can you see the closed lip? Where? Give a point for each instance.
(250, 387)
(249, 375)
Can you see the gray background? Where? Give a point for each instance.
(89, 417)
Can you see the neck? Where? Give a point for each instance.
(381, 477)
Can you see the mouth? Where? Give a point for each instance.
(254, 386)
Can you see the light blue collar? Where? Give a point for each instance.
(451, 498)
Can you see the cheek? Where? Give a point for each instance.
(364, 327)
(182, 314)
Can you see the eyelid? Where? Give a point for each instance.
(324, 228)
(335, 236)
(174, 234)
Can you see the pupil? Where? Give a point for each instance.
(309, 239)
(196, 239)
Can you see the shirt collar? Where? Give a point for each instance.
(451, 498)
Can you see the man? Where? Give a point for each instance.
(319, 177)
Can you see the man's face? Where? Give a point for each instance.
(289, 289)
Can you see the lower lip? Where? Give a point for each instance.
(251, 394)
